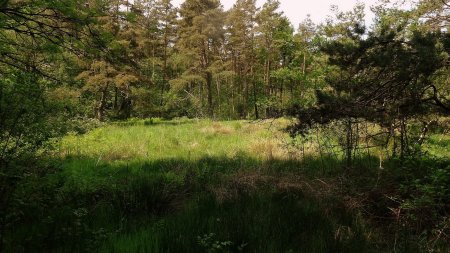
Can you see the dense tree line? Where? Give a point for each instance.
(395, 76)
(66, 61)
(150, 59)
(146, 58)
(195, 61)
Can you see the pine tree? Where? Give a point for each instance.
(201, 39)
(269, 20)
(241, 24)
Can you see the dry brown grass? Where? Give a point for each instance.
(251, 128)
(269, 149)
(217, 128)
(248, 182)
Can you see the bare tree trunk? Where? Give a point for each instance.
(165, 71)
(116, 95)
(125, 106)
(268, 85)
(255, 104)
(100, 114)
(355, 142)
(218, 97)
(304, 64)
(349, 142)
(210, 99)
(403, 139)
(393, 136)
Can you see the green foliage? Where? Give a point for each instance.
(370, 98)
(253, 222)
(207, 242)
(26, 116)
(427, 185)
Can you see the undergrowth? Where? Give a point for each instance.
(204, 186)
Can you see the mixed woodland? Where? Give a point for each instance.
(140, 126)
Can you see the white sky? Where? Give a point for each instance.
(297, 10)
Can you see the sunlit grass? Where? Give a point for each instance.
(438, 145)
(183, 185)
(188, 139)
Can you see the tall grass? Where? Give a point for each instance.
(190, 140)
(196, 186)
(258, 222)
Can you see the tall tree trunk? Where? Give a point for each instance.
(349, 142)
(100, 113)
(255, 102)
(218, 100)
(125, 106)
(403, 138)
(116, 98)
(393, 136)
(165, 74)
(266, 84)
(210, 99)
(304, 64)
(246, 98)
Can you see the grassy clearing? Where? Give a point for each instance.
(199, 183)
(204, 186)
(184, 139)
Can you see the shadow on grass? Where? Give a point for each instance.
(167, 206)
(262, 221)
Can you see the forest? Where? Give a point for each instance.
(148, 126)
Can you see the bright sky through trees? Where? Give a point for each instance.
(297, 10)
